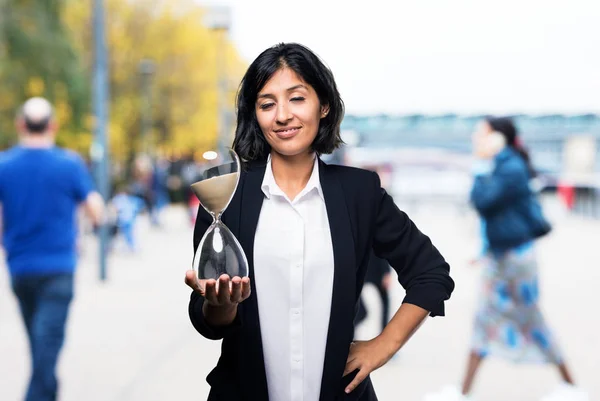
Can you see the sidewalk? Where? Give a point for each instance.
(130, 339)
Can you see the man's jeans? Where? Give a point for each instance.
(44, 303)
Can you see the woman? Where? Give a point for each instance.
(508, 322)
(307, 229)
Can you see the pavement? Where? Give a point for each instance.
(129, 337)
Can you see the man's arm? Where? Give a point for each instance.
(94, 208)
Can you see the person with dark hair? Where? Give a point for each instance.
(307, 229)
(378, 274)
(508, 322)
(125, 208)
(378, 271)
(250, 141)
(41, 187)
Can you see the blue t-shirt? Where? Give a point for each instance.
(40, 189)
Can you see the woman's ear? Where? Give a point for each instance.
(324, 110)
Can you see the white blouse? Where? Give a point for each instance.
(293, 268)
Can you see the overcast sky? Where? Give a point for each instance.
(465, 56)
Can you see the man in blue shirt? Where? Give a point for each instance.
(41, 187)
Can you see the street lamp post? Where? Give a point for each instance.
(99, 151)
(218, 19)
(146, 70)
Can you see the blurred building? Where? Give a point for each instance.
(431, 154)
(544, 135)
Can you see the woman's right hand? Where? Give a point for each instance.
(230, 292)
(222, 298)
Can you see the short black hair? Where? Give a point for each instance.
(250, 143)
(505, 126)
(37, 127)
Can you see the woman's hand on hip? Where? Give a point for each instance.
(367, 356)
(224, 293)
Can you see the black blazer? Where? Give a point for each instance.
(362, 216)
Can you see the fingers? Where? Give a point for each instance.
(240, 289)
(360, 376)
(245, 288)
(210, 291)
(224, 291)
(236, 290)
(351, 366)
(192, 281)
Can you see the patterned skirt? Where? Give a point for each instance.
(509, 323)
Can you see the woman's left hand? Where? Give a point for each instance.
(367, 356)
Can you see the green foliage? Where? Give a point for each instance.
(38, 59)
(46, 49)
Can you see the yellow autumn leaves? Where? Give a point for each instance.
(183, 87)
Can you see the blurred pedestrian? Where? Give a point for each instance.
(508, 321)
(41, 187)
(125, 208)
(379, 272)
(160, 175)
(142, 182)
(189, 175)
(380, 275)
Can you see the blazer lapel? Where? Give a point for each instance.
(250, 206)
(341, 329)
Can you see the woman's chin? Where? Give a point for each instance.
(292, 151)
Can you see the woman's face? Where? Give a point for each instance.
(482, 129)
(288, 113)
(486, 142)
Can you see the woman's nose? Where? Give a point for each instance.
(283, 113)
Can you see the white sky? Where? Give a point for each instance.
(435, 56)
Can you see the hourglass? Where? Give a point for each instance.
(219, 252)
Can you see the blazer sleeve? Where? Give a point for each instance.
(422, 270)
(203, 221)
(493, 192)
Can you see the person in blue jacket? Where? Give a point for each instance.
(508, 322)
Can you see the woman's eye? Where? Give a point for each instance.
(297, 99)
(266, 106)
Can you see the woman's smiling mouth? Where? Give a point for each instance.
(285, 133)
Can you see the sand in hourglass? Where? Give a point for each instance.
(214, 193)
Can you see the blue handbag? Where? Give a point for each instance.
(538, 223)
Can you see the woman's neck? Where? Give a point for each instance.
(292, 173)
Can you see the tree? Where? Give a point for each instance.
(184, 85)
(46, 49)
(37, 59)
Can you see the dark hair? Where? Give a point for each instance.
(250, 142)
(506, 127)
(35, 126)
